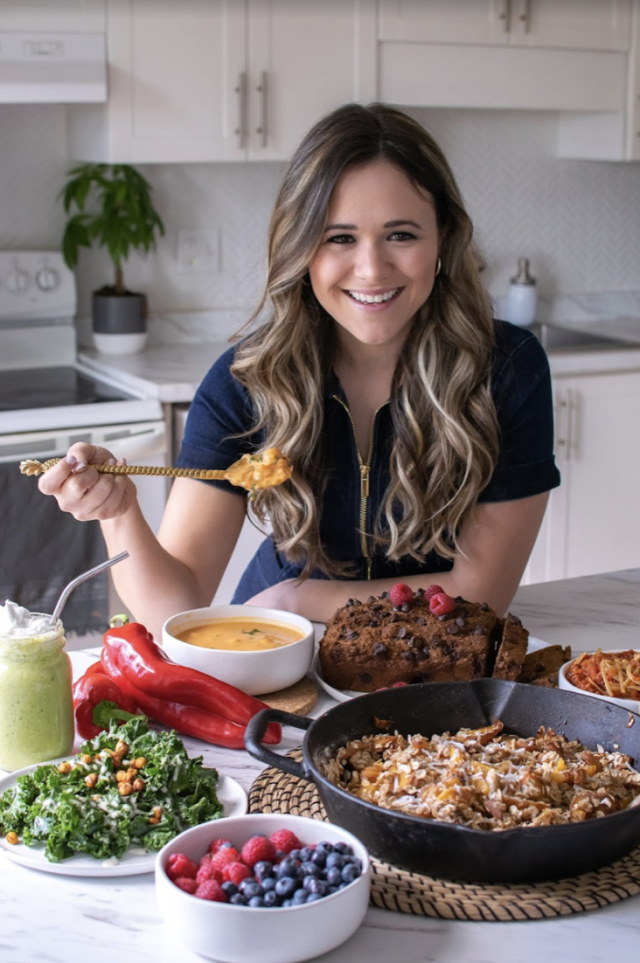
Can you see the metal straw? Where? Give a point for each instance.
(66, 592)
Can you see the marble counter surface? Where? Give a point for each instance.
(67, 919)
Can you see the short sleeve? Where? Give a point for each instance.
(521, 387)
(219, 417)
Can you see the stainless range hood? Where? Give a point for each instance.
(52, 68)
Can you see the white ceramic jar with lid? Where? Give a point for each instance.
(36, 702)
(521, 299)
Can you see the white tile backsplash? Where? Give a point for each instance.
(578, 222)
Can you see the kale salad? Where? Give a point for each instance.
(129, 785)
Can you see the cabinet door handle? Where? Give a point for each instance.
(525, 16)
(560, 419)
(505, 15)
(263, 90)
(241, 129)
(572, 412)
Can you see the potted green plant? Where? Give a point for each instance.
(110, 205)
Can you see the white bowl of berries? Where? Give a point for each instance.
(263, 888)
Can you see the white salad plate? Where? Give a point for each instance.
(133, 863)
(344, 695)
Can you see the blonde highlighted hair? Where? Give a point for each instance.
(445, 433)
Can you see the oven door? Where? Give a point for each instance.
(43, 548)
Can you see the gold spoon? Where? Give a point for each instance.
(252, 472)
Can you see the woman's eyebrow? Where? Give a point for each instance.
(386, 225)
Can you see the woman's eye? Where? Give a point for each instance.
(402, 236)
(340, 239)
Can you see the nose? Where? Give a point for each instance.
(371, 262)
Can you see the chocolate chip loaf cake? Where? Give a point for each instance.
(377, 643)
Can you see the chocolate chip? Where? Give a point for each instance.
(484, 607)
(402, 631)
(514, 619)
(421, 621)
(448, 649)
(411, 642)
(479, 630)
(460, 622)
(395, 617)
(452, 629)
(365, 677)
(407, 656)
(376, 606)
(380, 649)
(406, 607)
(420, 593)
(351, 634)
(373, 624)
(423, 655)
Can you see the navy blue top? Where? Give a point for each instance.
(521, 389)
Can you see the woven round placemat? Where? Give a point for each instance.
(396, 889)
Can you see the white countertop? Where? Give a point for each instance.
(71, 919)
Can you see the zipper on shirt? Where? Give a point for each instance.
(365, 471)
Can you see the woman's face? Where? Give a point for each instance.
(376, 263)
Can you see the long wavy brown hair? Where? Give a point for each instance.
(445, 433)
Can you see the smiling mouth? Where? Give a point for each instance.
(362, 298)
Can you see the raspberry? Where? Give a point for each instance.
(284, 840)
(235, 873)
(228, 854)
(218, 844)
(208, 871)
(400, 593)
(432, 590)
(188, 885)
(258, 848)
(180, 865)
(441, 604)
(211, 889)
(397, 685)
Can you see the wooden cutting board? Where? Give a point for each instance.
(299, 698)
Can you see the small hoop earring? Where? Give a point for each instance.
(438, 267)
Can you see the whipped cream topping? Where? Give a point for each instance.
(17, 622)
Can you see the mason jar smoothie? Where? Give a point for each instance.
(36, 703)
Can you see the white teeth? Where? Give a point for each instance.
(373, 298)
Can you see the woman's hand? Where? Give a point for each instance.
(85, 493)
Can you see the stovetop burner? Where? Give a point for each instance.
(54, 388)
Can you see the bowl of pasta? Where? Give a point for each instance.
(611, 676)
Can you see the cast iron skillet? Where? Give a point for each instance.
(443, 849)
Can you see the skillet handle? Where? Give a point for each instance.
(255, 732)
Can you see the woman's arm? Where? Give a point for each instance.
(179, 570)
(497, 539)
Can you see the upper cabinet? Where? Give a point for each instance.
(567, 24)
(210, 80)
(517, 54)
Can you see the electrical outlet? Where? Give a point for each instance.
(198, 251)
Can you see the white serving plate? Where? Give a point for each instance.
(563, 683)
(134, 862)
(344, 695)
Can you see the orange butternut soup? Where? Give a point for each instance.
(241, 635)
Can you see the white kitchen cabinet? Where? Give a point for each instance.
(592, 522)
(567, 24)
(506, 54)
(211, 80)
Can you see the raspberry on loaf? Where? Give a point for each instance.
(377, 643)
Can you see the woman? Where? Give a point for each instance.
(419, 428)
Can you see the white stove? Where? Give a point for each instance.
(49, 401)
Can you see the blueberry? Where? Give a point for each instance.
(334, 875)
(335, 859)
(271, 898)
(286, 902)
(310, 869)
(268, 884)
(299, 897)
(312, 897)
(250, 888)
(287, 867)
(262, 869)
(256, 901)
(314, 885)
(230, 888)
(332, 889)
(238, 900)
(286, 886)
(350, 872)
(306, 853)
(319, 858)
(294, 854)
(344, 848)
(324, 848)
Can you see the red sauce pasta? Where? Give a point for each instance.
(607, 673)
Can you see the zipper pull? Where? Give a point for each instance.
(364, 483)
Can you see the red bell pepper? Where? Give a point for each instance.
(186, 719)
(147, 667)
(93, 688)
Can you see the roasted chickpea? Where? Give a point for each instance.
(12, 838)
(122, 748)
(91, 780)
(65, 767)
(125, 788)
(139, 785)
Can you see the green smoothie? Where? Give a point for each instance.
(36, 703)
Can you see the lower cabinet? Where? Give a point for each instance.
(592, 522)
